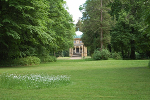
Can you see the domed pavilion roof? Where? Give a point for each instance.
(78, 34)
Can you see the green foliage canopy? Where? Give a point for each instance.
(126, 35)
(34, 27)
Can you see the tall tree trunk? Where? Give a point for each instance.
(109, 47)
(101, 38)
(122, 53)
(132, 55)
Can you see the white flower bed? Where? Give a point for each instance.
(30, 81)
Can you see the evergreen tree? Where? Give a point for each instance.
(93, 25)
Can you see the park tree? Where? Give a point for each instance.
(23, 27)
(144, 42)
(33, 27)
(122, 39)
(96, 24)
(62, 26)
(127, 33)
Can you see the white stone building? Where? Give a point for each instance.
(79, 48)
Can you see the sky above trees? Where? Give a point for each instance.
(73, 6)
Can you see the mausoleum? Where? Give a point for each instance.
(79, 48)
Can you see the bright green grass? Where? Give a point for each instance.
(90, 80)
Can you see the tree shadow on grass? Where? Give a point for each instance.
(137, 68)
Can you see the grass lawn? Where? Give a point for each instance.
(90, 80)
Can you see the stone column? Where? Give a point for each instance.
(71, 51)
(82, 50)
(79, 49)
(85, 51)
(75, 49)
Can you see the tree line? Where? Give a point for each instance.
(118, 25)
(34, 28)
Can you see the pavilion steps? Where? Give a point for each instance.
(76, 55)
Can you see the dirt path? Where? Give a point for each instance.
(76, 58)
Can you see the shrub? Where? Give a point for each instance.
(30, 60)
(141, 55)
(103, 54)
(48, 58)
(137, 55)
(66, 53)
(116, 56)
(96, 55)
